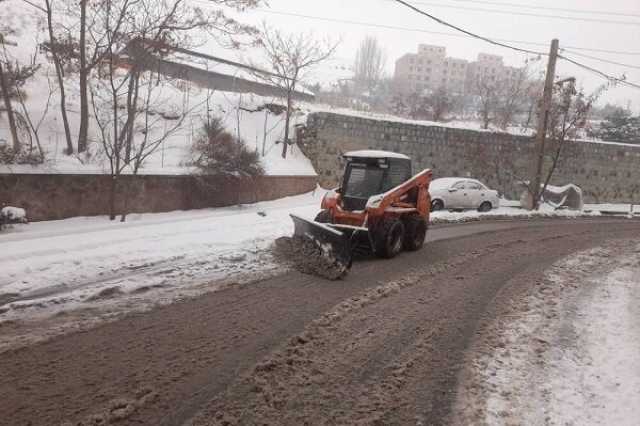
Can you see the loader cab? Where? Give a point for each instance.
(369, 173)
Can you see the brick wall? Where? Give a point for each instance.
(607, 173)
(55, 196)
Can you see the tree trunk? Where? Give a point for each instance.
(112, 197)
(84, 77)
(9, 108)
(264, 135)
(132, 109)
(285, 143)
(60, 78)
(125, 200)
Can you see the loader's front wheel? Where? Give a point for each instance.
(324, 217)
(415, 233)
(389, 238)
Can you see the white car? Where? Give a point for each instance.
(462, 194)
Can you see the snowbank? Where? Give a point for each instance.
(545, 211)
(567, 353)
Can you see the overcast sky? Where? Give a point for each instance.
(621, 35)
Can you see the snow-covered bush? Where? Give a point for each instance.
(215, 151)
(10, 215)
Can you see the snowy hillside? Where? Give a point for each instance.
(174, 96)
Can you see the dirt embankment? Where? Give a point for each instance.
(383, 346)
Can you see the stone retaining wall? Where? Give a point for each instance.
(58, 196)
(606, 172)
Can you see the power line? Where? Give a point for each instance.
(419, 30)
(581, 65)
(556, 9)
(606, 61)
(469, 33)
(611, 78)
(531, 14)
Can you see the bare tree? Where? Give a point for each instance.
(568, 116)
(78, 41)
(440, 102)
(123, 98)
(369, 64)
(24, 73)
(13, 77)
(59, 51)
(512, 96)
(6, 96)
(291, 57)
(487, 92)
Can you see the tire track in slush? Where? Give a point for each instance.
(403, 369)
(383, 346)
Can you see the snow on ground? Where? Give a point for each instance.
(73, 260)
(51, 267)
(510, 211)
(568, 353)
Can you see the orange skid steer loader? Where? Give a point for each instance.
(380, 205)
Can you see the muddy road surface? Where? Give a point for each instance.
(383, 346)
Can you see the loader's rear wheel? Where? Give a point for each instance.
(389, 238)
(324, 217)
(415, 233)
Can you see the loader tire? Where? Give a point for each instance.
(389, 238)
(324, 217)
(415, 233)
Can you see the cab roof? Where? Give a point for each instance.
(375, 154)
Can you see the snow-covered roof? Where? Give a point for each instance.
(445, 183)
(370, 153)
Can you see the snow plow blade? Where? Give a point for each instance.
(331, 246)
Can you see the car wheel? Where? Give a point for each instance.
(485, 207)
(389, 238)
(437, 205)
(415, 233)
(324, 217)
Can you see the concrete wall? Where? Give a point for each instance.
(608, 173)
(49, 197)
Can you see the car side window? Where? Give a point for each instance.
(460, 185)
(474, 186)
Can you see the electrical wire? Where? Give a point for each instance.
(557, 9)
(606, 61)
(419, 30)
(469, 33)
(531, 14)
(611, 78)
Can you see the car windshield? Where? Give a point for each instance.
(363, 181)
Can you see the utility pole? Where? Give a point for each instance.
(543, 121)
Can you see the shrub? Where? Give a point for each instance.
(215, 151)
(9, 156)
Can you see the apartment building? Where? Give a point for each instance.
(430, 69)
